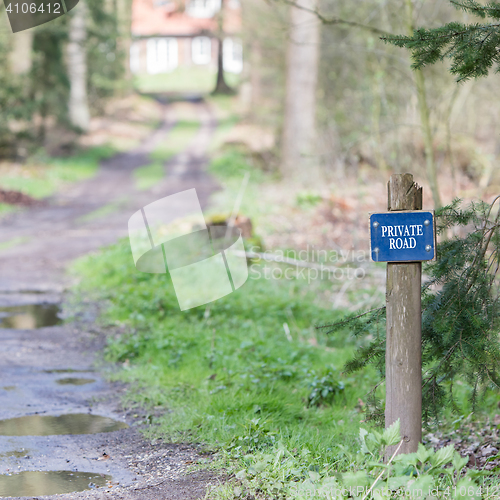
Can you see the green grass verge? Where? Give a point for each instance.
(229, 166)
(231, 374)
(274, 405)
(247, 375)
(43, 176)
(5, 208)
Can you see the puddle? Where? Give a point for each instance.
(29, 317)
(73, 423)
(75, 381)
(68, 370)
(38, 483)
(14, 454)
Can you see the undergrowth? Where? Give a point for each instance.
(228, 375)
(460, 318)
(251, 378)
(43, 175)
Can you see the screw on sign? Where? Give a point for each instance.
(25, 14)
(403, 237)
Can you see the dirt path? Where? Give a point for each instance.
(32, 270)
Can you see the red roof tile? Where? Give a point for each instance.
(162, 18)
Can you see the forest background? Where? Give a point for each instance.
(361, 106)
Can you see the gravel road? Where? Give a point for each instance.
(32, 361)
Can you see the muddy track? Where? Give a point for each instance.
(43, 240)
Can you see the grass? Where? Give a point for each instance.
(228, 374)
(196, 79)
(225, 125)
(178, 139)
(149, 175)
(102, 211)
(14, 242)
(43, 176)
(5, 208)
(248, 375)
(229, 167)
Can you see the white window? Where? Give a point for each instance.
(135, 57)
(233, 55)
(201, 50)
(162, 55)
(203, 8)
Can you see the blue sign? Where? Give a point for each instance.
(402, 236)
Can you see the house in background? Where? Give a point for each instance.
(171, 34)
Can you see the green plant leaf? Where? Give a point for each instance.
(374, 440)
(423, 454)
(392, 435)
(467, 489)
(397, 482)
(242, 474)
(421, 487)
(362, 434)
(459, 462)
(355, 479)
(314, 476)
(406, 459)
(373, 464)
(443, 456)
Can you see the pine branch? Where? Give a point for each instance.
(473, 49)
(460, 320)
(337, 325)
(493, 8)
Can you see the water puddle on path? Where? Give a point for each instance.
(73, 423)
(75, 381)
(30, 317)
(38, 483)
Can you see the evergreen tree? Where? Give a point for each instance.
(473, 48)
(460, 314)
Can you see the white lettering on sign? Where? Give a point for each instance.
(400, 243)
(402, 236)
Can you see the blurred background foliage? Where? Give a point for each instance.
(34, 77)
(367, 99)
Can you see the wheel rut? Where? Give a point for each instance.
(50, 389)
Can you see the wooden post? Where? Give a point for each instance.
(403, 357)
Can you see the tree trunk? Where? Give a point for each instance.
(425, 122)
(300, 99)
(124, 42)
(77, 69)
(221, 87)
(255, 72)
(21, 53)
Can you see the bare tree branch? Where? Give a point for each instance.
(337, 20)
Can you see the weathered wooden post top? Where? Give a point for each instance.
(403, 237)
